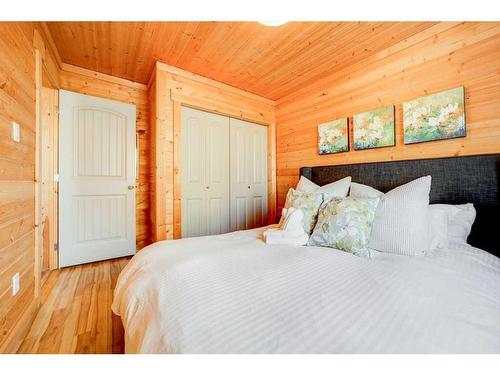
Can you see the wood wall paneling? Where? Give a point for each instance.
(444, 56)
(17, 187)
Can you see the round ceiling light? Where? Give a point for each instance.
(272, 23)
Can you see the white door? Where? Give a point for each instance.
(205, 173)
(96, 179)
(248, 175)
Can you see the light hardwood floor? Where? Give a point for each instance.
(75, 313)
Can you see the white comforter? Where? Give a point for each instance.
(234, 294)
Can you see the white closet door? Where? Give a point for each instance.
(248, 160)
(96, 179)
(205, 173)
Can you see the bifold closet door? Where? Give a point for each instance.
(248, 171)
(205, 173)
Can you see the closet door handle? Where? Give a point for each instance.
(249, 186)
(207, 187)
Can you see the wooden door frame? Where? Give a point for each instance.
(177, 162)
(38, 169)
(49, 128)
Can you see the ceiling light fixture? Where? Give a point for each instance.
(273, 23)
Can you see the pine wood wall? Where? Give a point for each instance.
(17, 180)
(444, 56)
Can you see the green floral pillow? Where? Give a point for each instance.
(309, 203)
(345, 224)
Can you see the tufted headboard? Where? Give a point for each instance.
(455, 180)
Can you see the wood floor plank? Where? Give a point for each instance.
(75, 313)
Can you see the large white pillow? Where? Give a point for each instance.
(363, 191)
(338, 188)
(401, 224)
(448, 222)
(438, 227)
(460, 220)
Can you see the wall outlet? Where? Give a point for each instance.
(15, 284)
(16, 132)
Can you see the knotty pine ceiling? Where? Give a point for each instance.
(269, 61)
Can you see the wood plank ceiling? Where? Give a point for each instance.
(269, 61)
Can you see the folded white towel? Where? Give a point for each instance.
(291, 230)
(278, 237)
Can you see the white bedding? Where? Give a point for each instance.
(233, 293)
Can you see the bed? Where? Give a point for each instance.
(232, 293)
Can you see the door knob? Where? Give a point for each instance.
(249, 186)
(208, 187)
(131, 187)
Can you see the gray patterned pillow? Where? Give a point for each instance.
(309, 203)
(345, 224)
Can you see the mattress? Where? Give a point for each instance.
(232, 293)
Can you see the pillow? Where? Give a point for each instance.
(401, 224)
(438, 217)
(335, 189)
(309, 203)
(460, 220)
(306, 185)
(363, 191)
(345, 224)
(438, 227)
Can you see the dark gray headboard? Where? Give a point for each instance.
(457, 180)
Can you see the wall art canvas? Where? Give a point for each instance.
(333, 137)
(374, 129)
(433, 117)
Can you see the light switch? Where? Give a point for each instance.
(16, 132)
(15, 284)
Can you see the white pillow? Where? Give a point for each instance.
(306, 185)
(438, 217)
(438, 227)
(363, 191)
(460, 220)
(401, 224)
(335, 189)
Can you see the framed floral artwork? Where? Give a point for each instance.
(434, 117)
(374, 128)
(333, 137)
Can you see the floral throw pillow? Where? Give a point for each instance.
(309, 203)
(345, 224)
